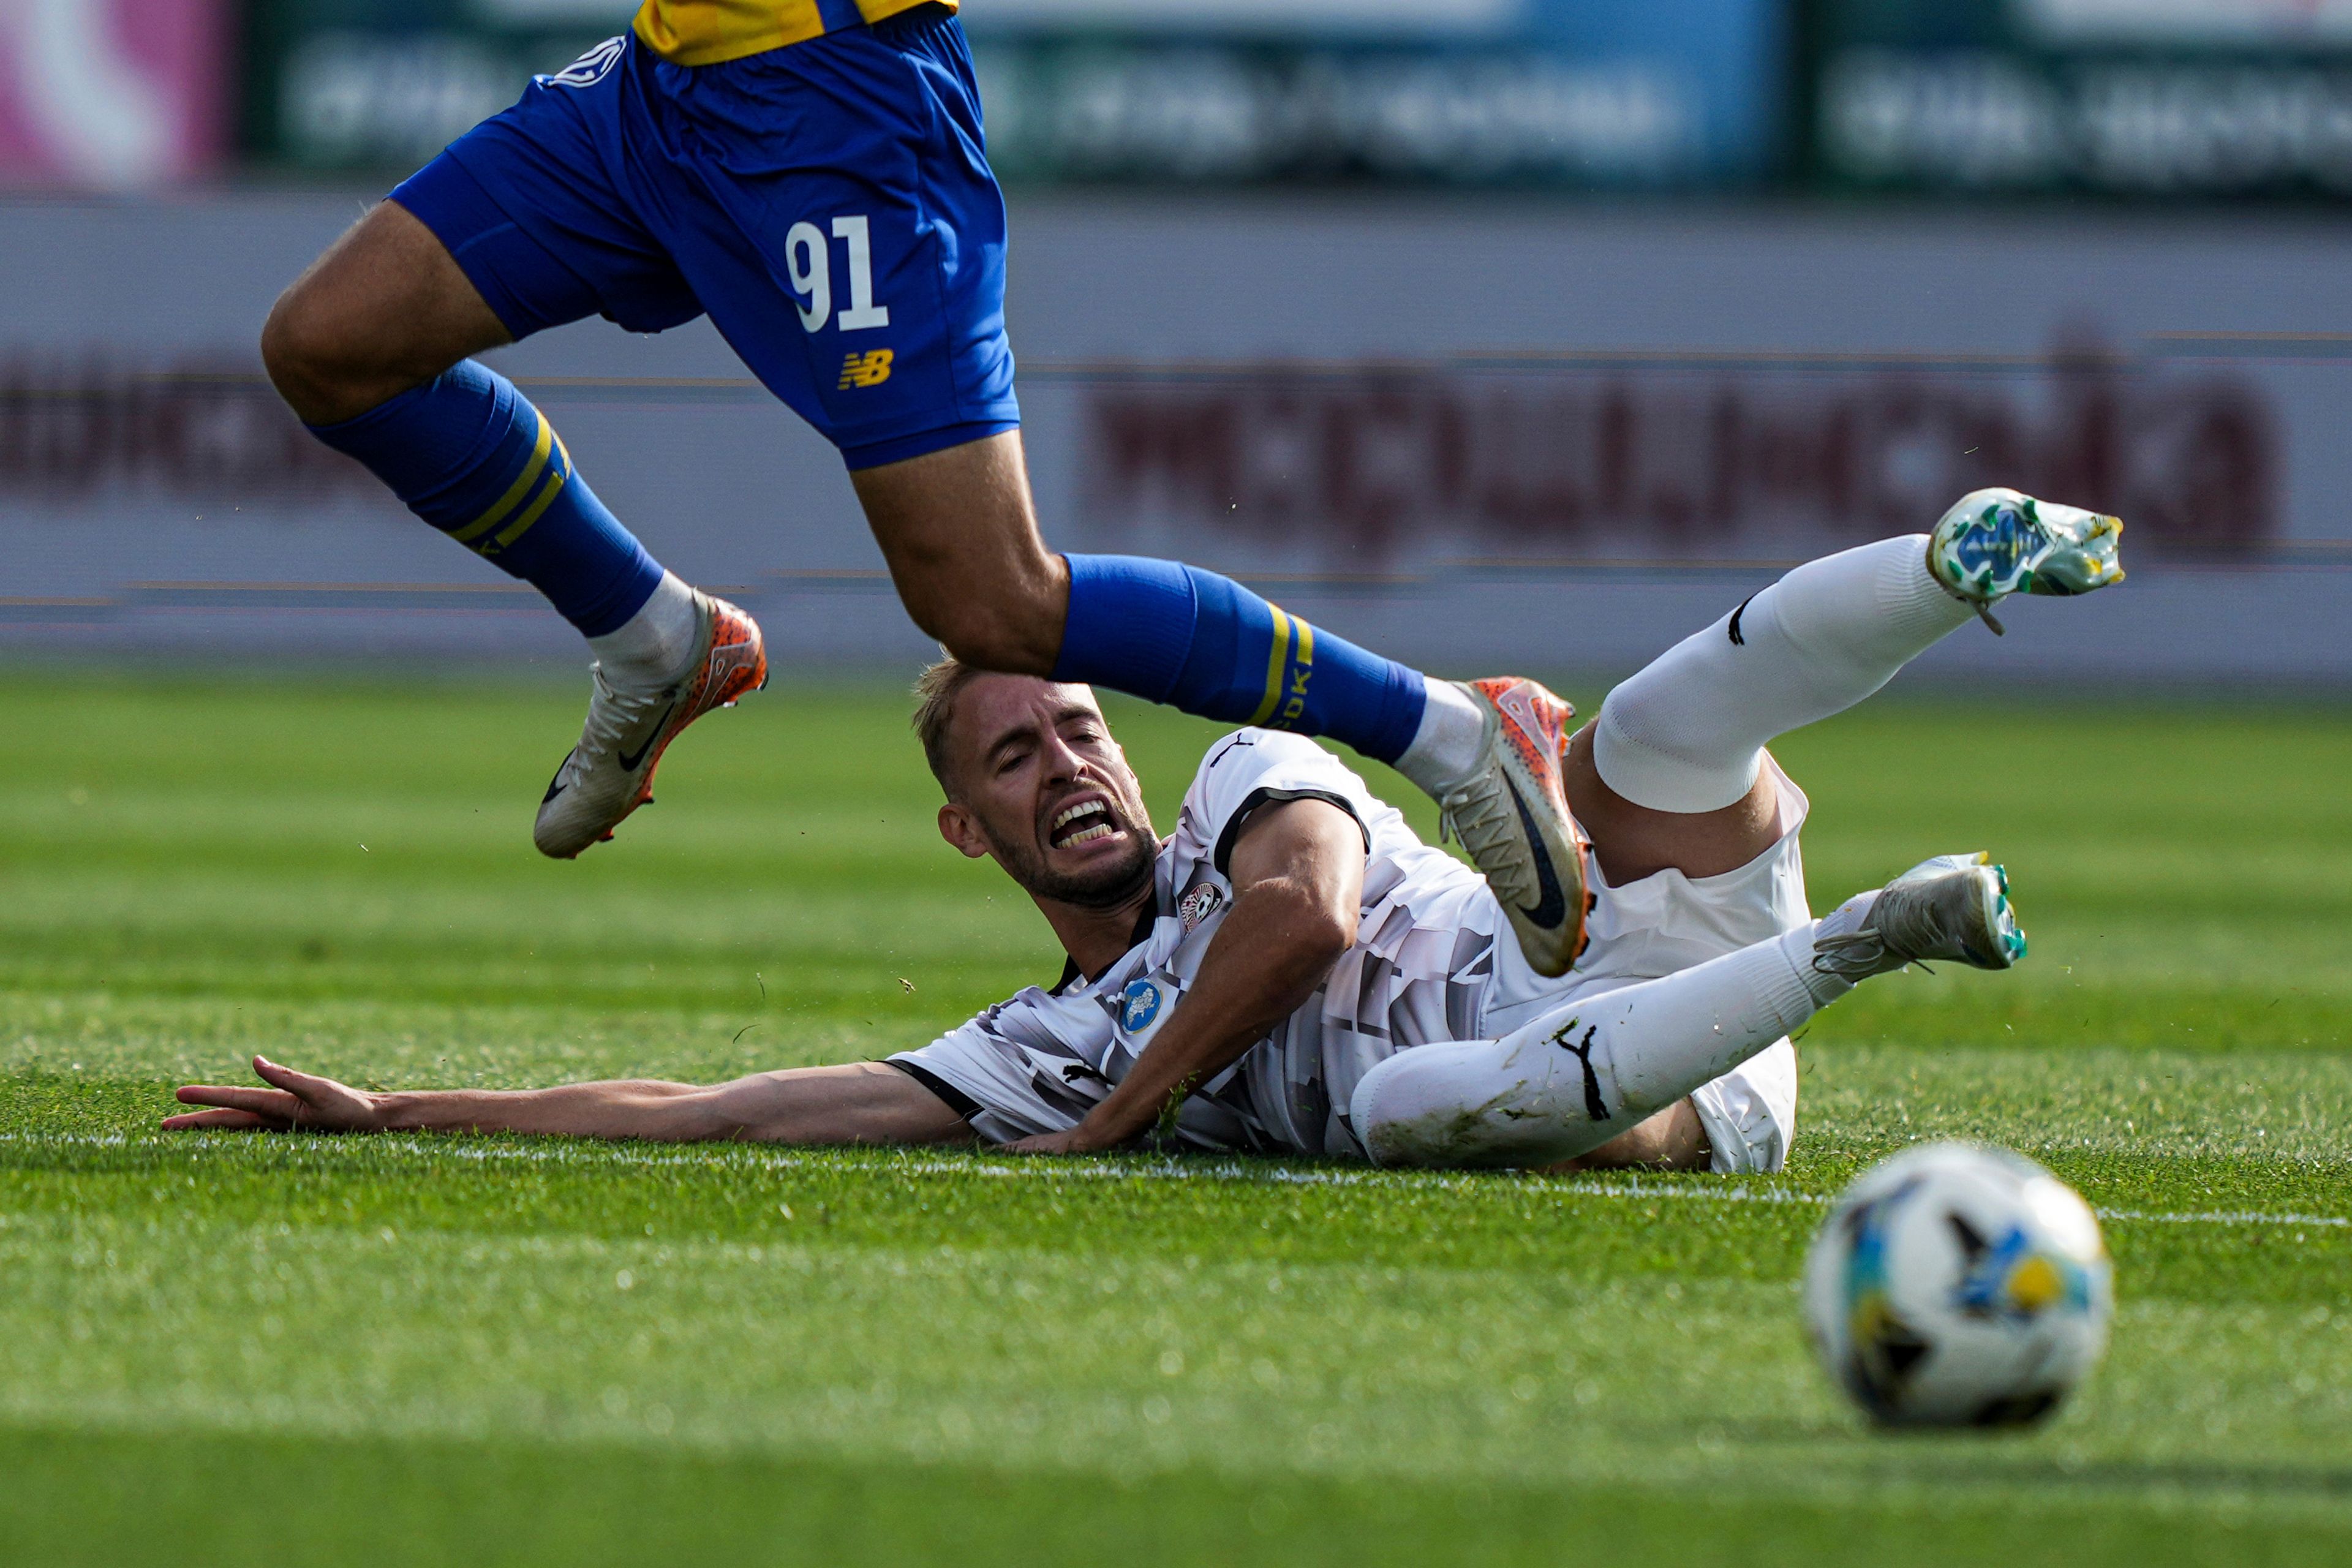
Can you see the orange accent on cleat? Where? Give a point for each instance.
(1512, 817)
(1537, 728)
(600, 783)
(737, 663)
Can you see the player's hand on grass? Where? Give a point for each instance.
(295, 1100)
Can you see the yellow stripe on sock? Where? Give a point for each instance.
(1305, 646)
(1277, 657)
(521, 488)
(522, 525)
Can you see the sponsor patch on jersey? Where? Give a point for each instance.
(1200, 904)
(1139, 1005)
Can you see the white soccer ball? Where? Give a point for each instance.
(1958, 1285)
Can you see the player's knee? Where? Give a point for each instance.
(1672, 1140)
(306, 351)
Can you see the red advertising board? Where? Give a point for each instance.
(112, 94)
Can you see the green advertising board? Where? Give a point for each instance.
(1672, 93)
(2179, 97)
(382, 85)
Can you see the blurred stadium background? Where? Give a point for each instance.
(1485, 330)
(1497, 333)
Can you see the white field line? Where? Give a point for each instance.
(2247, 1217)
(1633, 1188)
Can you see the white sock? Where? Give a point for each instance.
(1688, 732)
(1847, 917)
(653, 647)
(1583, 1073)
(1450, 742)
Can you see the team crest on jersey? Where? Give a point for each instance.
(1200, 904)
(1139, 1004)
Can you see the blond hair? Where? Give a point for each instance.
(936, 690)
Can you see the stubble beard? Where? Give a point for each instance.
(1106, 888)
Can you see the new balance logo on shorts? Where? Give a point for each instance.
(871, 368)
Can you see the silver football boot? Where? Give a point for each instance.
(1953, 906)
(610, 773)
(1996, 543)
(1510, 815)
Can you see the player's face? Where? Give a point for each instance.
(1047, 792)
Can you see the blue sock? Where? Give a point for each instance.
(472, 457)
(1209, 646)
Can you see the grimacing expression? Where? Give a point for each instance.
(1035, 768)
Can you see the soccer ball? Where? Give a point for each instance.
(1958, 1285)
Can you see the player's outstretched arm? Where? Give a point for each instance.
(862, 1102)
(1298, 879)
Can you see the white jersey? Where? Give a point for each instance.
(1433, 960)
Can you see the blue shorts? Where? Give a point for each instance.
(829, 205)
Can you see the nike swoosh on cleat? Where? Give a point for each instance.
(556, 785)
(1552, 905)
(628, 760)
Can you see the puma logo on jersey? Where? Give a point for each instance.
(871, 368)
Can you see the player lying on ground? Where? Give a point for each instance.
(1292, 971)
(813, 178)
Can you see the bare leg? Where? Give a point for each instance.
(960, 531)
(385, 309)
(1672, 1139)
(1633, 841)
(373, 348)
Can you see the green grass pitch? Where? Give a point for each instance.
(233, 1349)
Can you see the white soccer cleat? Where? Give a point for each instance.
(1510, 814)
(1953, 906)
(610, 773)
(1996, 543)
